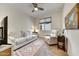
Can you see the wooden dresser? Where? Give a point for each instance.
(61, 42)
(5, 50)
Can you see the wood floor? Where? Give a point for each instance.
(56, 51)
(41, 51)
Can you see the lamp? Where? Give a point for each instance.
(36, 30)
(32, 30)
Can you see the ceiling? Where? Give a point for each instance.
(27, 8)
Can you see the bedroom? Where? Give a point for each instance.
(22, 22)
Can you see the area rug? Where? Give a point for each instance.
(36, 48)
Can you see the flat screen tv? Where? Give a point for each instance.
(4, 30)
(1, 35)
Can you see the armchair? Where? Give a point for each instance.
(52, 38)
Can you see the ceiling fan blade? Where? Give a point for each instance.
(34, 4)
(33, 10)
(40, 8)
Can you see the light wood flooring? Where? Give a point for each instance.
(55, 50)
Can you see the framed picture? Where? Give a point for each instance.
(72, 19)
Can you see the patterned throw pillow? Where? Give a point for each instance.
(23, 33)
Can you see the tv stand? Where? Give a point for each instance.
(5, 50)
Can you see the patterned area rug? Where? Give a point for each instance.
(36, 48)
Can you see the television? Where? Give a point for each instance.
(1, 34)
(4, 30)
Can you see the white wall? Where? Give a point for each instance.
(73, 42)
(73, 35)
(56, 22)
(16, 19)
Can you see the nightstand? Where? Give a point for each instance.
(61, 42)
(5, 50)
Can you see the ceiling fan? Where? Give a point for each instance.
(36, 8)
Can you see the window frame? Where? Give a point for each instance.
(40, 23)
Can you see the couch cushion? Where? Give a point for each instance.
(15, 34)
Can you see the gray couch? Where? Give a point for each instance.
(21, 39)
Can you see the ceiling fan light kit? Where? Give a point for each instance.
(36, 8)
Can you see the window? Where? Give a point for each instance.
(45, 24)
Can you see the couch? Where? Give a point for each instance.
(21, 38)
